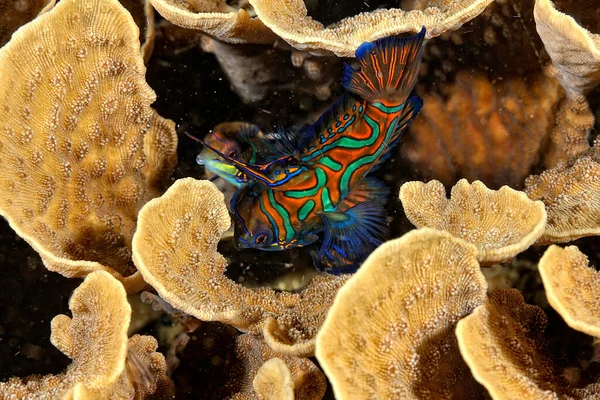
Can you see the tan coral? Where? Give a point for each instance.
(13, 14)
(390, 331)
(492, 131)
(273, 380)
(95, 338)
(174, 247)
(488, 339)
(81, 150)
(570, 194)
(570, 136)
(572, 288)
(247, 378)
(215, 18)
(501, 223)
(575, 52)
(289, 20)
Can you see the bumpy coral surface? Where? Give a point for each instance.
(570, 194)
(96, 339)
(81, 148)
(215, 18)
(489, 337)
(500, 223)
(175, 248)
(572, 287)
(485, 130)
(390, 331)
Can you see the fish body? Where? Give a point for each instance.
(320, 191)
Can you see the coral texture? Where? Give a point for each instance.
(96, 339)
(570, 194)
(175, 246)
(215, 18)
(289, 20)
(492, 131)
(500, 223)
(390, 331)
(81, 148)
(572, 287)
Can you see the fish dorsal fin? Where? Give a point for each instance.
(389, 69)
(350, 236)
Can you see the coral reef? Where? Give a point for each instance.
(501, 224)
(479, 128)
(181, 261)
(81, 149)
(86, 178)
(96, 339)
(390, 331)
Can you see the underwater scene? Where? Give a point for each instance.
(299, 199)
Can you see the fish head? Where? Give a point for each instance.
(257, 225)
(231, 139)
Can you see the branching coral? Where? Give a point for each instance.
(96, 339)
(390, 331)
(477, 132)
(500, 223)
(570, 194)
(174, 247)
(81, 148)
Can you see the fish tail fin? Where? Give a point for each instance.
(389, 68)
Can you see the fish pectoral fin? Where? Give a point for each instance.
(350, 236)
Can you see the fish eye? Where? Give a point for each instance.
(260, 239)
(232, 154)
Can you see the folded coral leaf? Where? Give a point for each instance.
(503, 344)
(390, 331)
(570, 193)
(175, 248)
(501, 223)
(575, 52)
(80, 148)
(96, 339)
(289, 20)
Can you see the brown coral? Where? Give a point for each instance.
(174, 247)
(503, 343)
(81, 149)
(570, 194)
(290, 21)
(215, 18)
(501, 223)
(575, 52)
(488, 131)
(273, 380)
(572, 287)
(390, 331)
(96, 339)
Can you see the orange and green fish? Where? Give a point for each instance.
(319, 192)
